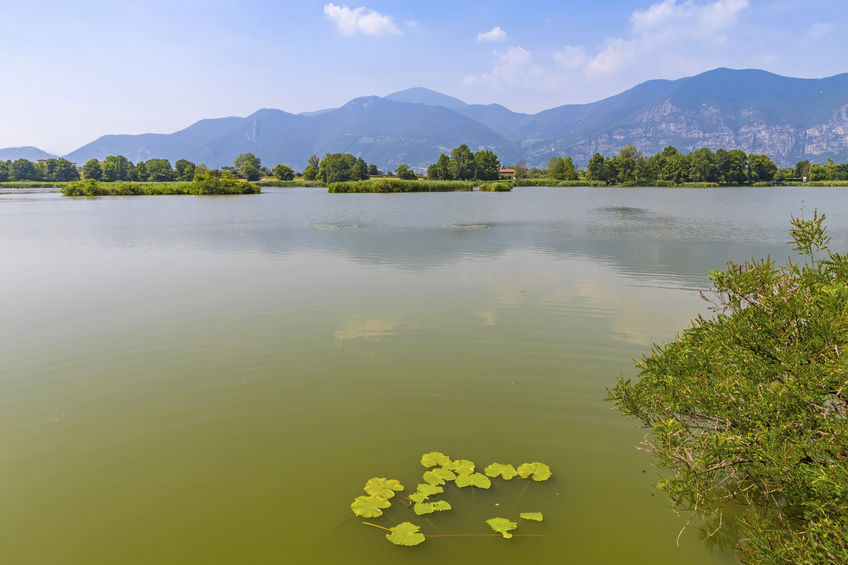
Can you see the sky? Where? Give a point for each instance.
(73, 71)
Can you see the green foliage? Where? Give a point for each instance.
(22, 169)
(92, 170)
(405, 173)
(462, 165)
(486, 165)
(406, 534)
(435, 458)
(421, 508)
(369, 506)
(205, 183)
(441, 169)
(159, 170)
(747, 410)
(283, 172)
(478, 480)
(291, 183)
(115, 168)
(496, 186)
(310, 173)
(536, 471)
(383, 487)
(502, 526)
(379, 490)
(4, 171)
(184, 169)
(373, 171)
(561, 169)
(396, 185)
(505, 471)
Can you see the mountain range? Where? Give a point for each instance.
(788, 119)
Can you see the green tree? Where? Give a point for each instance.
(627, 162)
(22, 169)
(561, 168)
(596, 169)
(4, 171)
(60, 170)
(160, 170)
(746, 411)
(761, 168)
(462, 163)
(486, 165)
(337, 167)
(405, 173)
(283, 172)
(310, 172)
(441, 169)
(736, 170)
(243, 158)
(373, 171)
(141, 174)
(250, 171)
(360, 170)
(184, 169)
(802, 169)
(92, 170)
(702, 166)
(115, 168)
(314, 161)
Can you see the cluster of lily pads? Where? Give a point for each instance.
(441, 469)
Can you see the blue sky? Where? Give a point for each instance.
(72, 71)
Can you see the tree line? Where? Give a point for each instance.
(465, 165)
(702, 165)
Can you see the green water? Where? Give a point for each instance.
(213, 379)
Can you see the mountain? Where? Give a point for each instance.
(786, 118)
(28, 152)
(382, 131)
(419, 95)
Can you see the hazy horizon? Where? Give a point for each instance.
(90, 70)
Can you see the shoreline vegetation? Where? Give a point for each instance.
(462, 170)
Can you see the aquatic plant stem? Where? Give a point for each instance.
(377, 526)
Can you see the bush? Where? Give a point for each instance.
(496, 186)
(396, 185)
(748, 409)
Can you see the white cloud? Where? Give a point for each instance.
(571, 56)
(514, 66)
(494, 34)
(819, 30)
(360, 20)
(669, 20)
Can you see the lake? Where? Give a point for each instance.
(213, 379)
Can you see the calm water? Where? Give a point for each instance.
(212, 379)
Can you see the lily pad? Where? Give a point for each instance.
(418, 497)
(430, 507)
(445, 473)
(537, 471)
(429, 490)
(504, 470)
(406, 534)
(461, 466)
(502, 526)
(478, 480)
(369, 506)
(383, 487)
(535, 516)
(433, 478)
(435, 458)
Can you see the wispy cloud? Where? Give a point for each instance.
(351, 21)
(494, 34)
(819, 30)
(514, 66)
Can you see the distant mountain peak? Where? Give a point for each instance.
(421, 95)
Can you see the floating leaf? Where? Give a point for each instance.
(430, 507)
(446, 474)
(417, 497)
(429, 490)
(383, 487)
(478, 480)
(502, 526)
(535, 516)
(461, 466)
(537, 471)
(405, 533)
(369, 506)
(433, 478)
(435, 458)
(505, 471)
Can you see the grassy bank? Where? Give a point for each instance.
(213, 185)
(496, 186)
(396, 185)
(31, 184)
(290, 183)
